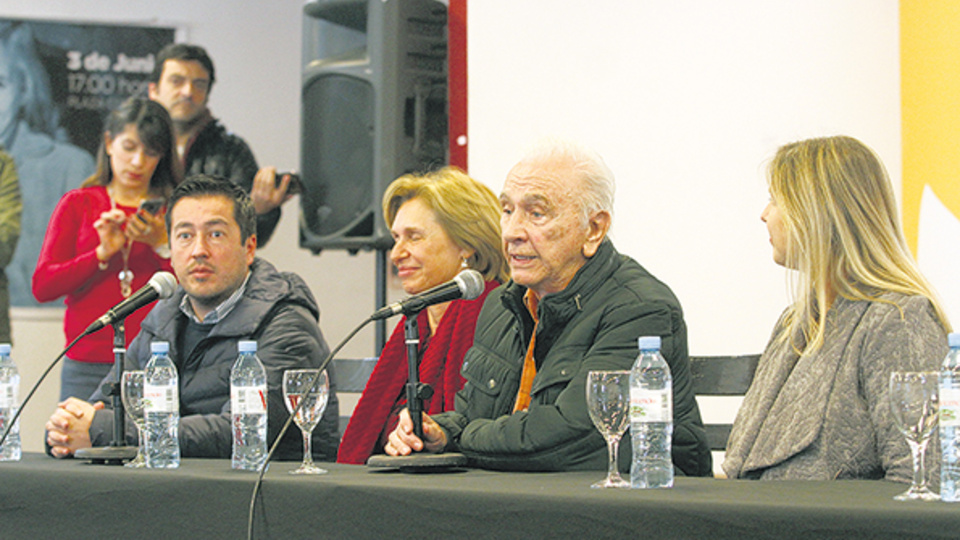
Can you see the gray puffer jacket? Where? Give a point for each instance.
(279, 312)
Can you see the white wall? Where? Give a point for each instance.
(685, 99)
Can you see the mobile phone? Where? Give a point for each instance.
(152, 206)
(295, 185)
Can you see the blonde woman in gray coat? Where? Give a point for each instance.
(818, 407)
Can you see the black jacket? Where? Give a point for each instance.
(593, 324)
(279, 312)
(217, 152)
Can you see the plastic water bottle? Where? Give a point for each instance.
(651, 417)
(248, 403)
(950, 423)
(161, 409)
(9, 403)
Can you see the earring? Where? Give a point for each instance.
(463, 264)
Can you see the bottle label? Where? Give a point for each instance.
(651, 406)
(248, 399)
(8, 396)
(160, 398)
(949, 407)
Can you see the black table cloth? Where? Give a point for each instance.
(41, 497)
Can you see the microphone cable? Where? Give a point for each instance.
(37, 385)
(286, 426)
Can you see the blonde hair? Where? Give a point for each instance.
(840, 220)
(467, 210)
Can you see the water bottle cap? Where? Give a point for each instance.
(247, 346)
(649, 343)
(159, 347)
(5, 349)
(953, 340)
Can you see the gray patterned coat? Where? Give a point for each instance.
(827, 415)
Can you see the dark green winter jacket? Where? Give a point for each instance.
(593, 324)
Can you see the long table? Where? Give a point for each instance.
(45, 498)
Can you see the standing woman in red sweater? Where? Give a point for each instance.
(441, 223)
(106, 239)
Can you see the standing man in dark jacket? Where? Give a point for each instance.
(182, 78)
(226, 295)
(573, 305)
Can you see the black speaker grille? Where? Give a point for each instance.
(374, 107)
(337, 148)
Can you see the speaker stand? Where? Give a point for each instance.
(380, 330)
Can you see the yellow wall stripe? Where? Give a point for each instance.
(930, 105)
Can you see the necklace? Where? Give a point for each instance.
(125, 276)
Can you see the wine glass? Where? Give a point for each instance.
(913, 400)
(608, 402)
(307, 400)
(131, 391)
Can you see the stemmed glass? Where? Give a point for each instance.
(608, 402)
(298, 387)
(914, 402)
(131, 391)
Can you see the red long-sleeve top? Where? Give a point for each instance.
(68, 266)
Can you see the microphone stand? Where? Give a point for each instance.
(416, 391)
(118, 451)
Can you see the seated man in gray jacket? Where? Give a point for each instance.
(573, 304)
(226, 294)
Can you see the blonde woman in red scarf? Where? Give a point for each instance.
(441, 223)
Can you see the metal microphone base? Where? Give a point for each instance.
(107, 455)
(420, 463)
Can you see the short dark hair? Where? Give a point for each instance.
(203, 185)
(183, 52)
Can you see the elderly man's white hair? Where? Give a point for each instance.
(596, 178)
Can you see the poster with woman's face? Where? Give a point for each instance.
(58, 80)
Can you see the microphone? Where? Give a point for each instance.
(468, 285)
(161, 285)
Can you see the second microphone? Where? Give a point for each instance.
(467, 285)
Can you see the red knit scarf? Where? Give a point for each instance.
(439, 367)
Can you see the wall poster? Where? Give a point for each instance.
(58, 80)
